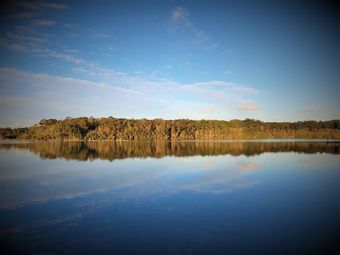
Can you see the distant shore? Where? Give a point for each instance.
(112, 150)
(270, 140)
(115, 129)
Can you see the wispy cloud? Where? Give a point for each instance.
(208, 109)
(61, 56)
(25, 15)
(247, 108)
(114, 93)
(180, 17)
(21, 40)
(222, 85)
(40, 6)
(307, 111)
(100, 35)
(29, 5)
(131, 92)
(12, 46)
(61, 90)
(219, 95)
(56, 6)
(43, 22)
(72, 51)
(29, 39)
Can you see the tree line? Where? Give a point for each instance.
(110, 128)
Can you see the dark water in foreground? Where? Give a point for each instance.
(170, 198)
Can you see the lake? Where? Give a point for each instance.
(202, 197)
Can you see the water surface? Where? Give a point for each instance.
(200, 197)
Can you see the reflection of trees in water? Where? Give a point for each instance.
(125, 149)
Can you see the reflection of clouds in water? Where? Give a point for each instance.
(248, 166)
(319, 162)
(218, 184)
(306, 162)
(34, 181)
(208, 163)
(225, 177)
(26, 179)
(311, 164)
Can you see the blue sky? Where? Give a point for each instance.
(268, 60)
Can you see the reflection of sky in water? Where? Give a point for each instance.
(26, 179)
(29, 179)
(188, 204)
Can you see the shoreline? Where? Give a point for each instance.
(265, 140)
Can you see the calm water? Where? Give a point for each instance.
(170, 198)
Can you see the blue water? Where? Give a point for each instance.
(92, 200)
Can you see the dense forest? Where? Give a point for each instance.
(110, 128)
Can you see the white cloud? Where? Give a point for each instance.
(22, 40)
(247, 108)
(39, 95)
(220, 86)
(208, 109)
(113, 92)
